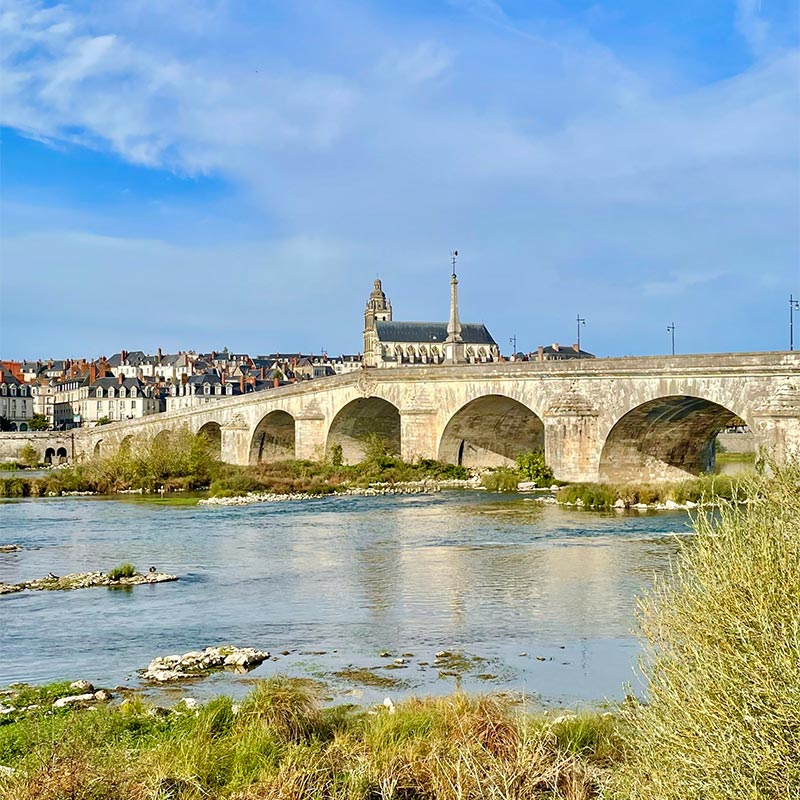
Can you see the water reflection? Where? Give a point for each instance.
(492, 576)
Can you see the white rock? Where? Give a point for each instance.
(389, 705)
(103, 695)
(73, 700)
(82, 686)
(7, 772)
(620, 503)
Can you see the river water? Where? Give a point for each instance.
(538, 598)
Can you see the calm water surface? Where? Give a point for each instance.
(542, 595)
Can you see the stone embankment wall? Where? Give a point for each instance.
(737, 442)
(11, 443)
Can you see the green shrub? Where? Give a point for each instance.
(722, 642)
(531, 466)
(126, 570)
(337, 455)
(28, 455)
(502, 479)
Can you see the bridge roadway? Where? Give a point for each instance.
(633, 418)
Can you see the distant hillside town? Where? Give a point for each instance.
(58, 394)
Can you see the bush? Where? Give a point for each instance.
(126, 570)
(723, 658)
(531, 466)
(28, 455)
(38, 422)
(502, 479)
(337, 455)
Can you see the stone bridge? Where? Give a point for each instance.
(597, 419)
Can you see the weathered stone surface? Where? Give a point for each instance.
(200, 662)
(82, 686)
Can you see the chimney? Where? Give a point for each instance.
(184, 379)
(92, 373)
(241, 384)
(540, 353)
(576, 348)
(123, 354)
(263, 373)
(555, 346)
(222, 377)
(120, 378)
(276, 383)
(159, 354)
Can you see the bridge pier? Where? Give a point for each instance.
(572, 442)
(417, 433)
(235, 441)
(776, 426)
(309, 436)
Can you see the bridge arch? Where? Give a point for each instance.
(212, 432)
(61, 454)
(98, 448)
(273, 438)
(490, 431)
(49, 455)
(359, 418)
(666, 438)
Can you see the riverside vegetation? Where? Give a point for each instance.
(721, 656)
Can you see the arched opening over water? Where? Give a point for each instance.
(490, 431)
(665, 439)
(273, 439)
(125, 445)
(61, 455)
(49, 455)
(212, 433)
(97, 449)
(357, 420)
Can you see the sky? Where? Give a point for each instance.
(202, 174)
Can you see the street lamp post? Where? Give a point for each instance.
(794, 305)
(580, 321)
(671, 330)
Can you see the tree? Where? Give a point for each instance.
(5, 424)
(38, 422)
(28, 456)
(103, 421)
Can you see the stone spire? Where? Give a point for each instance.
(454, 345)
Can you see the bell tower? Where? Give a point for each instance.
(378, 309)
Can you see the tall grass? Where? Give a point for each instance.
(280, 743)
(722, 642)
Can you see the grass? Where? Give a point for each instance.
(606, 495)
(281, 743)
(126, 570)
(722, 658)
(502, 479)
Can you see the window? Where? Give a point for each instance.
(99, 393)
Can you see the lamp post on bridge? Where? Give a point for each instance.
(671, 330)
(581, 322)
(794, 305)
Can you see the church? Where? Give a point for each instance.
(393, 344)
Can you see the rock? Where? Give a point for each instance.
(563, 717)
(385, 654)
(671, 505)
(190, 704)
(82, 686)
(401, 661)
(443, 654)
(523, 654)
(526, 486)
(7, 709)
(389, 705)
(73, 700)
(103, 695)
(197, 663)
(11, 588)
(9, 548)
(620, 503)
(7, 772)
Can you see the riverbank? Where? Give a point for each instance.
(281, 741)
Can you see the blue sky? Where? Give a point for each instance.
(209, 173)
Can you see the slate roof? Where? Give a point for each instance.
(424, 332)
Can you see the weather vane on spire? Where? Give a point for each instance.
(454, 256)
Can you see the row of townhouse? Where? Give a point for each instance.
(16, 402)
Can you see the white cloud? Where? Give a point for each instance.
(378, 144)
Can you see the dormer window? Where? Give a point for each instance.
(207, 388)
(13, 390)
(218, 389)
(111, 391)
(122, 392)
(133, 391)
(99, 391)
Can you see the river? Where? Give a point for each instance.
(539, 599)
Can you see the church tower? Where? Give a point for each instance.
(378, 309)
(454, 349)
